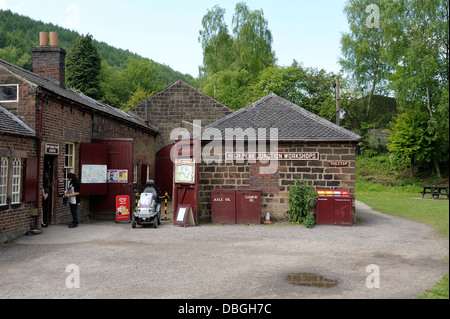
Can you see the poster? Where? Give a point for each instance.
(93, 174)
(185, 171)
(122, 208)
(117, 176)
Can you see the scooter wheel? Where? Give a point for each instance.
(155, 222)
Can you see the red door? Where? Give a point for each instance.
(223, 206)
(343, 211)
(120, 157)
(248, 207)
(164, 172)
(325, 211)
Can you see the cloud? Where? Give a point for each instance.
(5, 6)
(73, 17)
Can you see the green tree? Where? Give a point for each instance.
(309, 88)
(83, 66)
(363, 50)
(253, 40)
(216, 42)
(411, 140)
(408, 56)
(232, 63)
(16, 57)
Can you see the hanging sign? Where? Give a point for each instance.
(123, 208)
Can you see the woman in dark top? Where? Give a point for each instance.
(73, 193)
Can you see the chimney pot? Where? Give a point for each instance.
(43, 39)
(53, 39)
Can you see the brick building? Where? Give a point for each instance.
(48, 128)
(308, 147)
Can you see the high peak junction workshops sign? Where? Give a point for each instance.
(281, 156)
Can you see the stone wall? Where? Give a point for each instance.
(275, 186)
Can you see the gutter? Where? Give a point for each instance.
(40, 106)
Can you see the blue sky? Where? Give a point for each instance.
(167, 31)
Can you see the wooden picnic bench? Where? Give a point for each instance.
(435, 191)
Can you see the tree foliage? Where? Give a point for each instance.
(232, 62)
(407, 55)
(83, 67)
(19, 34)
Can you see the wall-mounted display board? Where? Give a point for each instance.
(185, 171)
(184, 216)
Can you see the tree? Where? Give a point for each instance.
(253, 40)
(309, 88)
(363, 50)
(231, 63)
(83, 65)
(408, 56)
(216, 42)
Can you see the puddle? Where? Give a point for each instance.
(311, 280)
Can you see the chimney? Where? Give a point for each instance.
(50, 60)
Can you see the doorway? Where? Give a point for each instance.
(48, 177)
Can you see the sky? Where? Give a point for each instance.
(167, 31)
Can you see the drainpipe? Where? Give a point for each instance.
(40, 105)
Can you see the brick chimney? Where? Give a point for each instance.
(50, 60)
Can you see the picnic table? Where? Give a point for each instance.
(435, 191)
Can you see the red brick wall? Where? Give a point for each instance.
(16, 222)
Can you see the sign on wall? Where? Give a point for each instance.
(185, 171)
(272, 156)
(93, 174)
(117, 176)
(51, 149)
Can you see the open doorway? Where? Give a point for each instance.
(47, 204)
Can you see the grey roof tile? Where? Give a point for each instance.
(77, 97)
(293, 122)
(11, 124)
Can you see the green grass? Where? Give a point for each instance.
(395, 193)
(406, 202)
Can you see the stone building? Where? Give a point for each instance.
(307, 147)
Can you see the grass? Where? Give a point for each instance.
(395, 193)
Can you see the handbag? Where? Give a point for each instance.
(65, 200)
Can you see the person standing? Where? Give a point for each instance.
(73, 195)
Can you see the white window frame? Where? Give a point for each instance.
(16, 178)
(69, 161)
(17, 97)
(4, 162)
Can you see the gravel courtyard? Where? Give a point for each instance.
(223, 262)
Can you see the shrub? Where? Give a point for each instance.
(302, 198)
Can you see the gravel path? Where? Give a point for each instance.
(216, 261)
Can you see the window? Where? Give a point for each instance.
(16, 177)
(135, 174)
(69, 161)
(3, 180)
(9, 93)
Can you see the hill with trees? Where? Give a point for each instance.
(19, 34)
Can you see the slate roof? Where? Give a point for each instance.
(93, 104)
(11, 124)
(293, 122)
